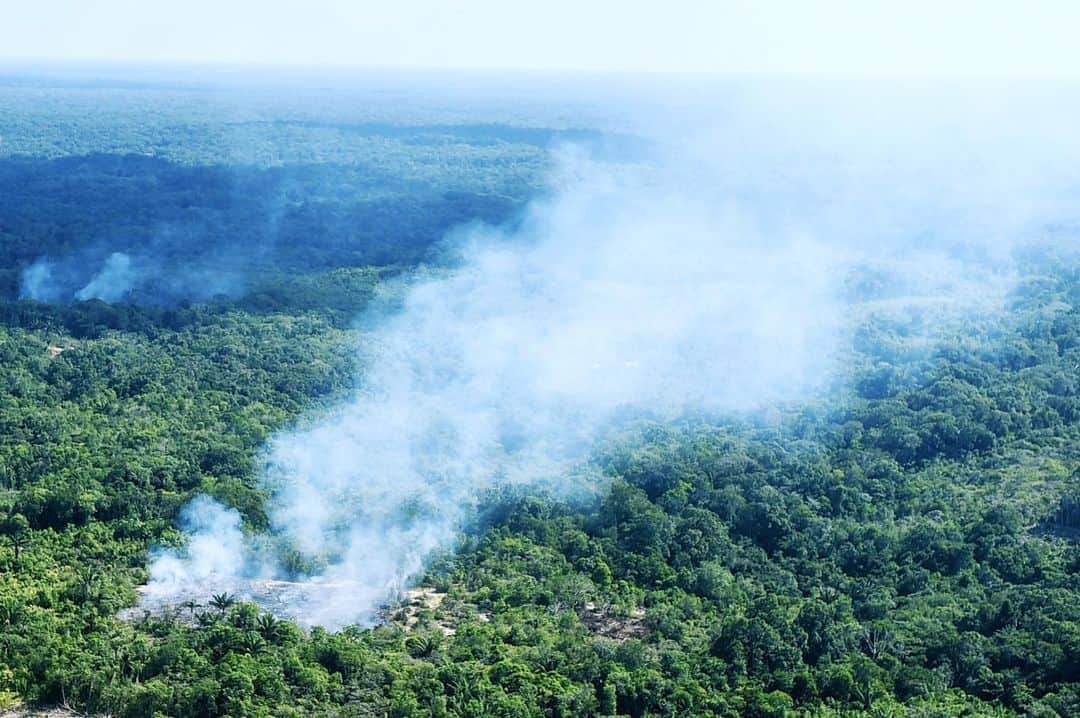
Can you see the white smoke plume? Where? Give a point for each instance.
(116, 279)
(37, 282)
(50, 280)
(215, 547)
(129, 277)
(712, 280)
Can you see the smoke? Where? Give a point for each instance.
(717, 278)
(215, 547)
(127, 277)
(506, 371)
(113, 278)
(37, 282)
(116, 278)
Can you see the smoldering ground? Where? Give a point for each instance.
(714, 278)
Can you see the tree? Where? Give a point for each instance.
(16, 528)
(608, 700)
(222, 601)
(269, 627)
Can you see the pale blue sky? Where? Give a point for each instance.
(921, 38)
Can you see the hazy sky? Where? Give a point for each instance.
(983, 38)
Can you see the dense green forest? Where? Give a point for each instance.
(908, 545)
(220, 191)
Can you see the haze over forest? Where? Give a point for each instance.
(445, 376)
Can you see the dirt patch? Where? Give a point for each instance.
(603, 621)
(424, 597)
(418, 603)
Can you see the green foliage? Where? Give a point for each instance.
(906, 546)
(818, 565)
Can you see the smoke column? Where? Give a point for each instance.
(37, 282)
(116, 278)
(710, 280)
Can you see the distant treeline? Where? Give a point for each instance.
(189, 228)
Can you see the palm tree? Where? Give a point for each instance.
(420, 645)
(18, 543)
(205, 619)
(222, 601)
(269, 627)
(252, 642)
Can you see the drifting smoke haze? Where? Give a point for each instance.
(122, 277)
(716, 278)
(52, 280)
(48, 280)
